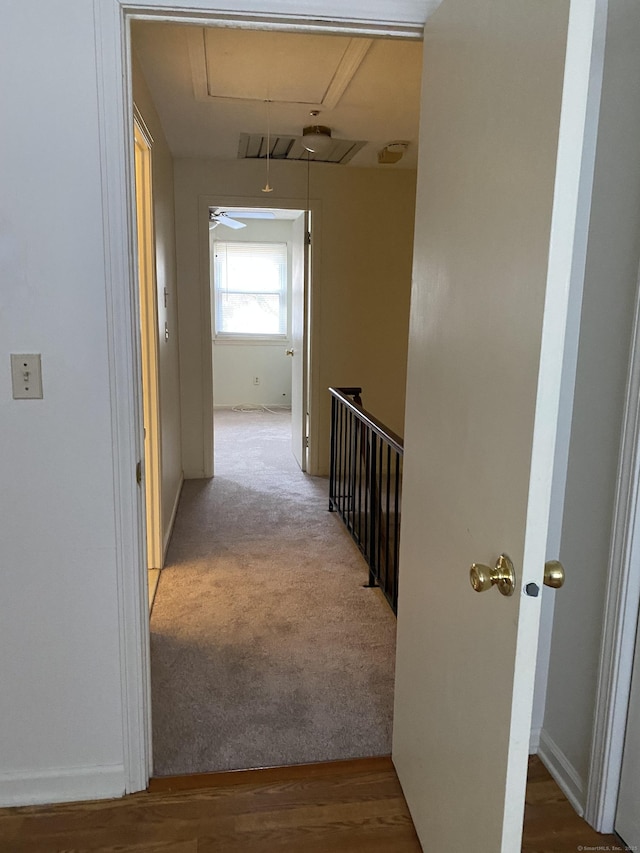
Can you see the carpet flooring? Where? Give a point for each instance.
(265, 647)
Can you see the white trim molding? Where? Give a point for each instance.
(563, 771)
(115, 113)
(621, 614)
(366, 18)
(174, 511)
(68, 784)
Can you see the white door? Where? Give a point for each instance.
(627, 823)
(299, 283)
(487, 336)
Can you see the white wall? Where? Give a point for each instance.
(610, 285)
(168, 350)
(364, 238)
(235, 362)
(61, 728)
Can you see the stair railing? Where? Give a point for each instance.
(365, 486)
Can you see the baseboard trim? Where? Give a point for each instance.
(231, 406)
(563, 771)
(194, 474)
(172, 520)
(269, 775)
(63, 785)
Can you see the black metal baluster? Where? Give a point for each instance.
(340, 460)
(349, 464)
(373, 558)
(332, 444)
(396, 535)
(387, 573)
(379, 527)
(359, 450)
(365, 457)
(367, 494)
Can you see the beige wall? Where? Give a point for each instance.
(605, 333)
(168, 355)
(364, 237)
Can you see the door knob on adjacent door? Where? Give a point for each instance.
(288, 352)
(554, 574)
(503, 576)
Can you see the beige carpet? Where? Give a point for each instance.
(265, 647)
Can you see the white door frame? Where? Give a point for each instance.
(311, 318)
(115, 117)
(621, 613)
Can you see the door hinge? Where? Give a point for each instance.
(138, 472)
(306, 441)
(308, 238)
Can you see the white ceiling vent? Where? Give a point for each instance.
(253, 146)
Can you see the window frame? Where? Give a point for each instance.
(284, 297)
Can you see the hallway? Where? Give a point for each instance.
(265, 648)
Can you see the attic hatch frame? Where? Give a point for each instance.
(253, 146)
(112, 20)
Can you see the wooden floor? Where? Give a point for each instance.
(550, 823)
(345, 807)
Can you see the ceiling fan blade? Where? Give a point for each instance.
(223, 219)
(255, 214)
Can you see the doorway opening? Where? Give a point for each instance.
(365, 282)
(260, 298)
(364, 302)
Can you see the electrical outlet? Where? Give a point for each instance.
(256, 380)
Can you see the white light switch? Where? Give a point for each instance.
(26, 376)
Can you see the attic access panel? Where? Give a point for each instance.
(254, 65)
(253, 146)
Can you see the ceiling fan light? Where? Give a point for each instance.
(316, 138)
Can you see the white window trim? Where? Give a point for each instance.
(285, 299)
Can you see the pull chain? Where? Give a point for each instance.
(266, 188)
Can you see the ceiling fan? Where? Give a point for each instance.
(221, 217)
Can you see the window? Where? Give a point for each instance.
(250, 281)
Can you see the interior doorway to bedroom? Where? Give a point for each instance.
(260, 290)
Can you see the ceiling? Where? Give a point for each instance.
(211, 85)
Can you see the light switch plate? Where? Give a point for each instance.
(26, 376)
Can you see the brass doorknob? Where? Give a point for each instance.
(553, 574)
(503, 576)
(288, 352)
